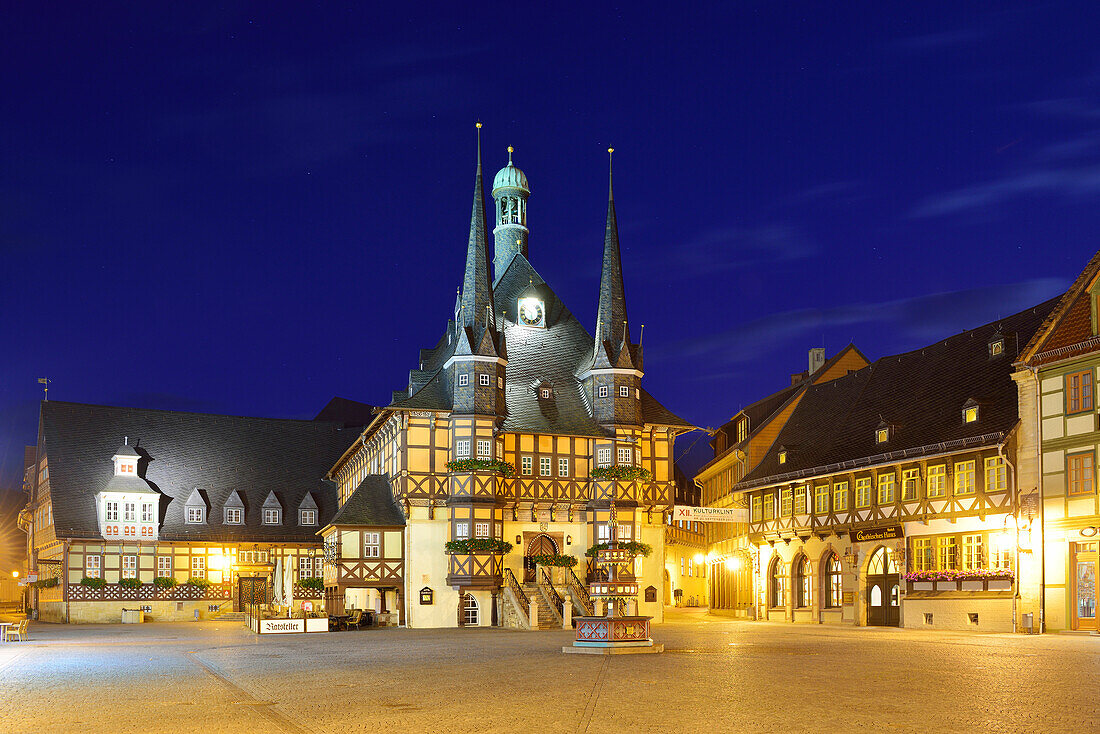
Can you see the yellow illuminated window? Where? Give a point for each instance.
(949, 553)
(782, 457)
(970, 414)
(924, 555)
(821, 499)
(909, 481)
(937, 481)
(996, 474)
(1080, 469)
(886, 488)
(785, 502)
(882, 435)
(863, 492)
(840, 497)
(972, 552)
(964, 477)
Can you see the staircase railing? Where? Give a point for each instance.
(579, 592)
(511, 583)
(552, 593)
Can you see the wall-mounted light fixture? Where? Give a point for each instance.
(569, 540)
(519, 540)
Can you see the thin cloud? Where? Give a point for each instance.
(1068, 182)
(728, 248)
(921, 320)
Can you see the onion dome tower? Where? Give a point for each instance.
(510, 192)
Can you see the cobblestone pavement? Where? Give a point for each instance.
(716, 675)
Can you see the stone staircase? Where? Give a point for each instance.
(230, 617)
(548, 618)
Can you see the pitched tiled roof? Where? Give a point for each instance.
(371, 503)
(185, 453)
(349, 412)
(1067, 330)
(920, 394)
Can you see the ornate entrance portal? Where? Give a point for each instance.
(1085, 564)
(541, 544)
(251, 590)
(883, 590)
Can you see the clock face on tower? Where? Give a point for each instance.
(532, 312)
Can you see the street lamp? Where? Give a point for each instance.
(15, 574)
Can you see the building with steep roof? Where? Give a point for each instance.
(178, 513)
(1059, 507)
(889, 494)
(512, 437)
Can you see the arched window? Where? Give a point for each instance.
(470, 611)
(803, 588)
(830, 571)
(778, 585)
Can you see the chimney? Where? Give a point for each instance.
(817, 359)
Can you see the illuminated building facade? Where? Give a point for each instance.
(516, 429)
(1059, 505)
(887, 495)
(182, 514)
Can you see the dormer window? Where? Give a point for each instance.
(272, 516)
(783, 456)
(126, 467)
(996, 345)
(234, 516)
(196, 515)
(307, 517)
(882, 434)
(970, 411)
(545, 393)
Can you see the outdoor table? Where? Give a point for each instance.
(4, 630)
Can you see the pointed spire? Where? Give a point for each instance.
(476, 294)
(611, 325)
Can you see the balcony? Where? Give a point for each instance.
(482, 570)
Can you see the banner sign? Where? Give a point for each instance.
(281, 626)
(890, 533)
(710, 514)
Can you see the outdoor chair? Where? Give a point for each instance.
(19, 631)
(355, 620)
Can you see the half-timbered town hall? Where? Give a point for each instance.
(507, 445)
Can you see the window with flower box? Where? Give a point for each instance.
(924, 555)
(305, 568)
(484, 449)
(129, 567)
(481, 530)
(626, 455)
(164, 566)
(198, 567)
(93, 566)
(972, 552)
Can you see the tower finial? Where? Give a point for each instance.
(510, 150)
(610, 191)
(478, 126)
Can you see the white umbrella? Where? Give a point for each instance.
(277, 590)
(288, 588)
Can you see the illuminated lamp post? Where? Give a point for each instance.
(615, 632)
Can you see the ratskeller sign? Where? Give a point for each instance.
(890, 533)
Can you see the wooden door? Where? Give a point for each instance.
(883, 590)
(539, 545)
(1084, 566)
(251, 590)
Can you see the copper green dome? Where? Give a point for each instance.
(510, 177)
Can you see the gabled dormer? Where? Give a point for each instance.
(194, 509)
(233, 513)
(308, 511)
(971, 411)
(883, 432)
(272, 510)
(127, 507)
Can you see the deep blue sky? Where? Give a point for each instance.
(251, 207)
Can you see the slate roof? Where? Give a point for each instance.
(350, 413)
(371, 503)
(920, 394)
(184, 453)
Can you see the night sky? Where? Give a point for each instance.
(252, 207)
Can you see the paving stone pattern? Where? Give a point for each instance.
(717, 675)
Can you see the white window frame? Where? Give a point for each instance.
(129, 512)
(307, 517)
(198, 567)
(527, 465)
(603, 456)
(481, 530)
(164, 566)
(625, 455)
(462, 448)
(463, 380)
(624, 391)
(272, 516)
(129, 566)
(471, 612)
(545, 466)
(462, 530)
(483, 379)
(196, 515)
(544, 393)
(93, 566)
(110, 511)
(305, 568)
(146, 512)
(372, 545)
(484, 448)
(563, 466)
(234, 516)
(602, 392)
